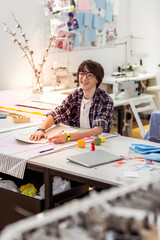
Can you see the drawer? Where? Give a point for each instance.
(9, 201)
(15, 206)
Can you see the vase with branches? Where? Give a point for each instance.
(28, 52)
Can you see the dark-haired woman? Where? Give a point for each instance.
(87, 107)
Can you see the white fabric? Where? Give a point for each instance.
(84, 113)
(9, 185)
(14, 154)
(59, 185)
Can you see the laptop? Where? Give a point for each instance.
(94, 158)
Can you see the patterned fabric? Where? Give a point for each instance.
(101, 111)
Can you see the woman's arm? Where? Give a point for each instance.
(48, 122)
(62, 138)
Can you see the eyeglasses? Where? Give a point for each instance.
(87, 74)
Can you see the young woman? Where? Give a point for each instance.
(87, 107)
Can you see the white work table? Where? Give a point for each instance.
(103, 176)
(155, 88)
(140, 77)
(126, 101)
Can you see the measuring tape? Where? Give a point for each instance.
(14, 109)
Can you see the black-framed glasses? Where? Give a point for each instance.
(87, 74)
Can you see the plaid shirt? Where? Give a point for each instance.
(100, 114)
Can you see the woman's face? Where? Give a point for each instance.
(87, 80)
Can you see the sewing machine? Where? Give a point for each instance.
(124, 86)
(62, 79)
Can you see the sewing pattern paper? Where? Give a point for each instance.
(88, 19)
(51, 132)
(80, 18)
(109, 12)
(101, 4)
(90, 35)
(84, 5)
(98, 22)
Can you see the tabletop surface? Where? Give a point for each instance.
(48, 100)
(140, 77)
(106, 173)
(155, 88)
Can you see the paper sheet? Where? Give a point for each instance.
(101, 4)
(80, 18)
(18, 126)
(90, 35)
(98, 22)
(88, 19)
(76, 43)
(84, 5)
(51, 132)
(51, 98)
(109, 12)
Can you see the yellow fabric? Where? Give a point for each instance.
(29, 192)
(27, 186)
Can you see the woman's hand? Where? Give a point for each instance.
(59, 138)
(37, 135)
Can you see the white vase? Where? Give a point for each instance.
(37, 84)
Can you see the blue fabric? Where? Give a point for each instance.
(153, 157)
(144, 149)
(153, 133)
(149, 152)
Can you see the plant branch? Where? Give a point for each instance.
(26, 49)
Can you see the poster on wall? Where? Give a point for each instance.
(56, 25)
(72, 21)
(89, 28)
(66, 40)
(54, 6)
(111, 34)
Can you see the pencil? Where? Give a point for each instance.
(58, 133)
(61, 132)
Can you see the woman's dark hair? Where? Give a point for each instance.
(93, 67)
(70, 14)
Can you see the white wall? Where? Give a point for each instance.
(109, 57)
(145, 19)
(15, 72)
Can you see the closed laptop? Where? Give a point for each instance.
(94, 158)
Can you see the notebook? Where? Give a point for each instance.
(94, 158)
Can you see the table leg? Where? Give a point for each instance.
(48, 189)
(120, 119)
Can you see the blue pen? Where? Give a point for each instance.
(46, 150)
